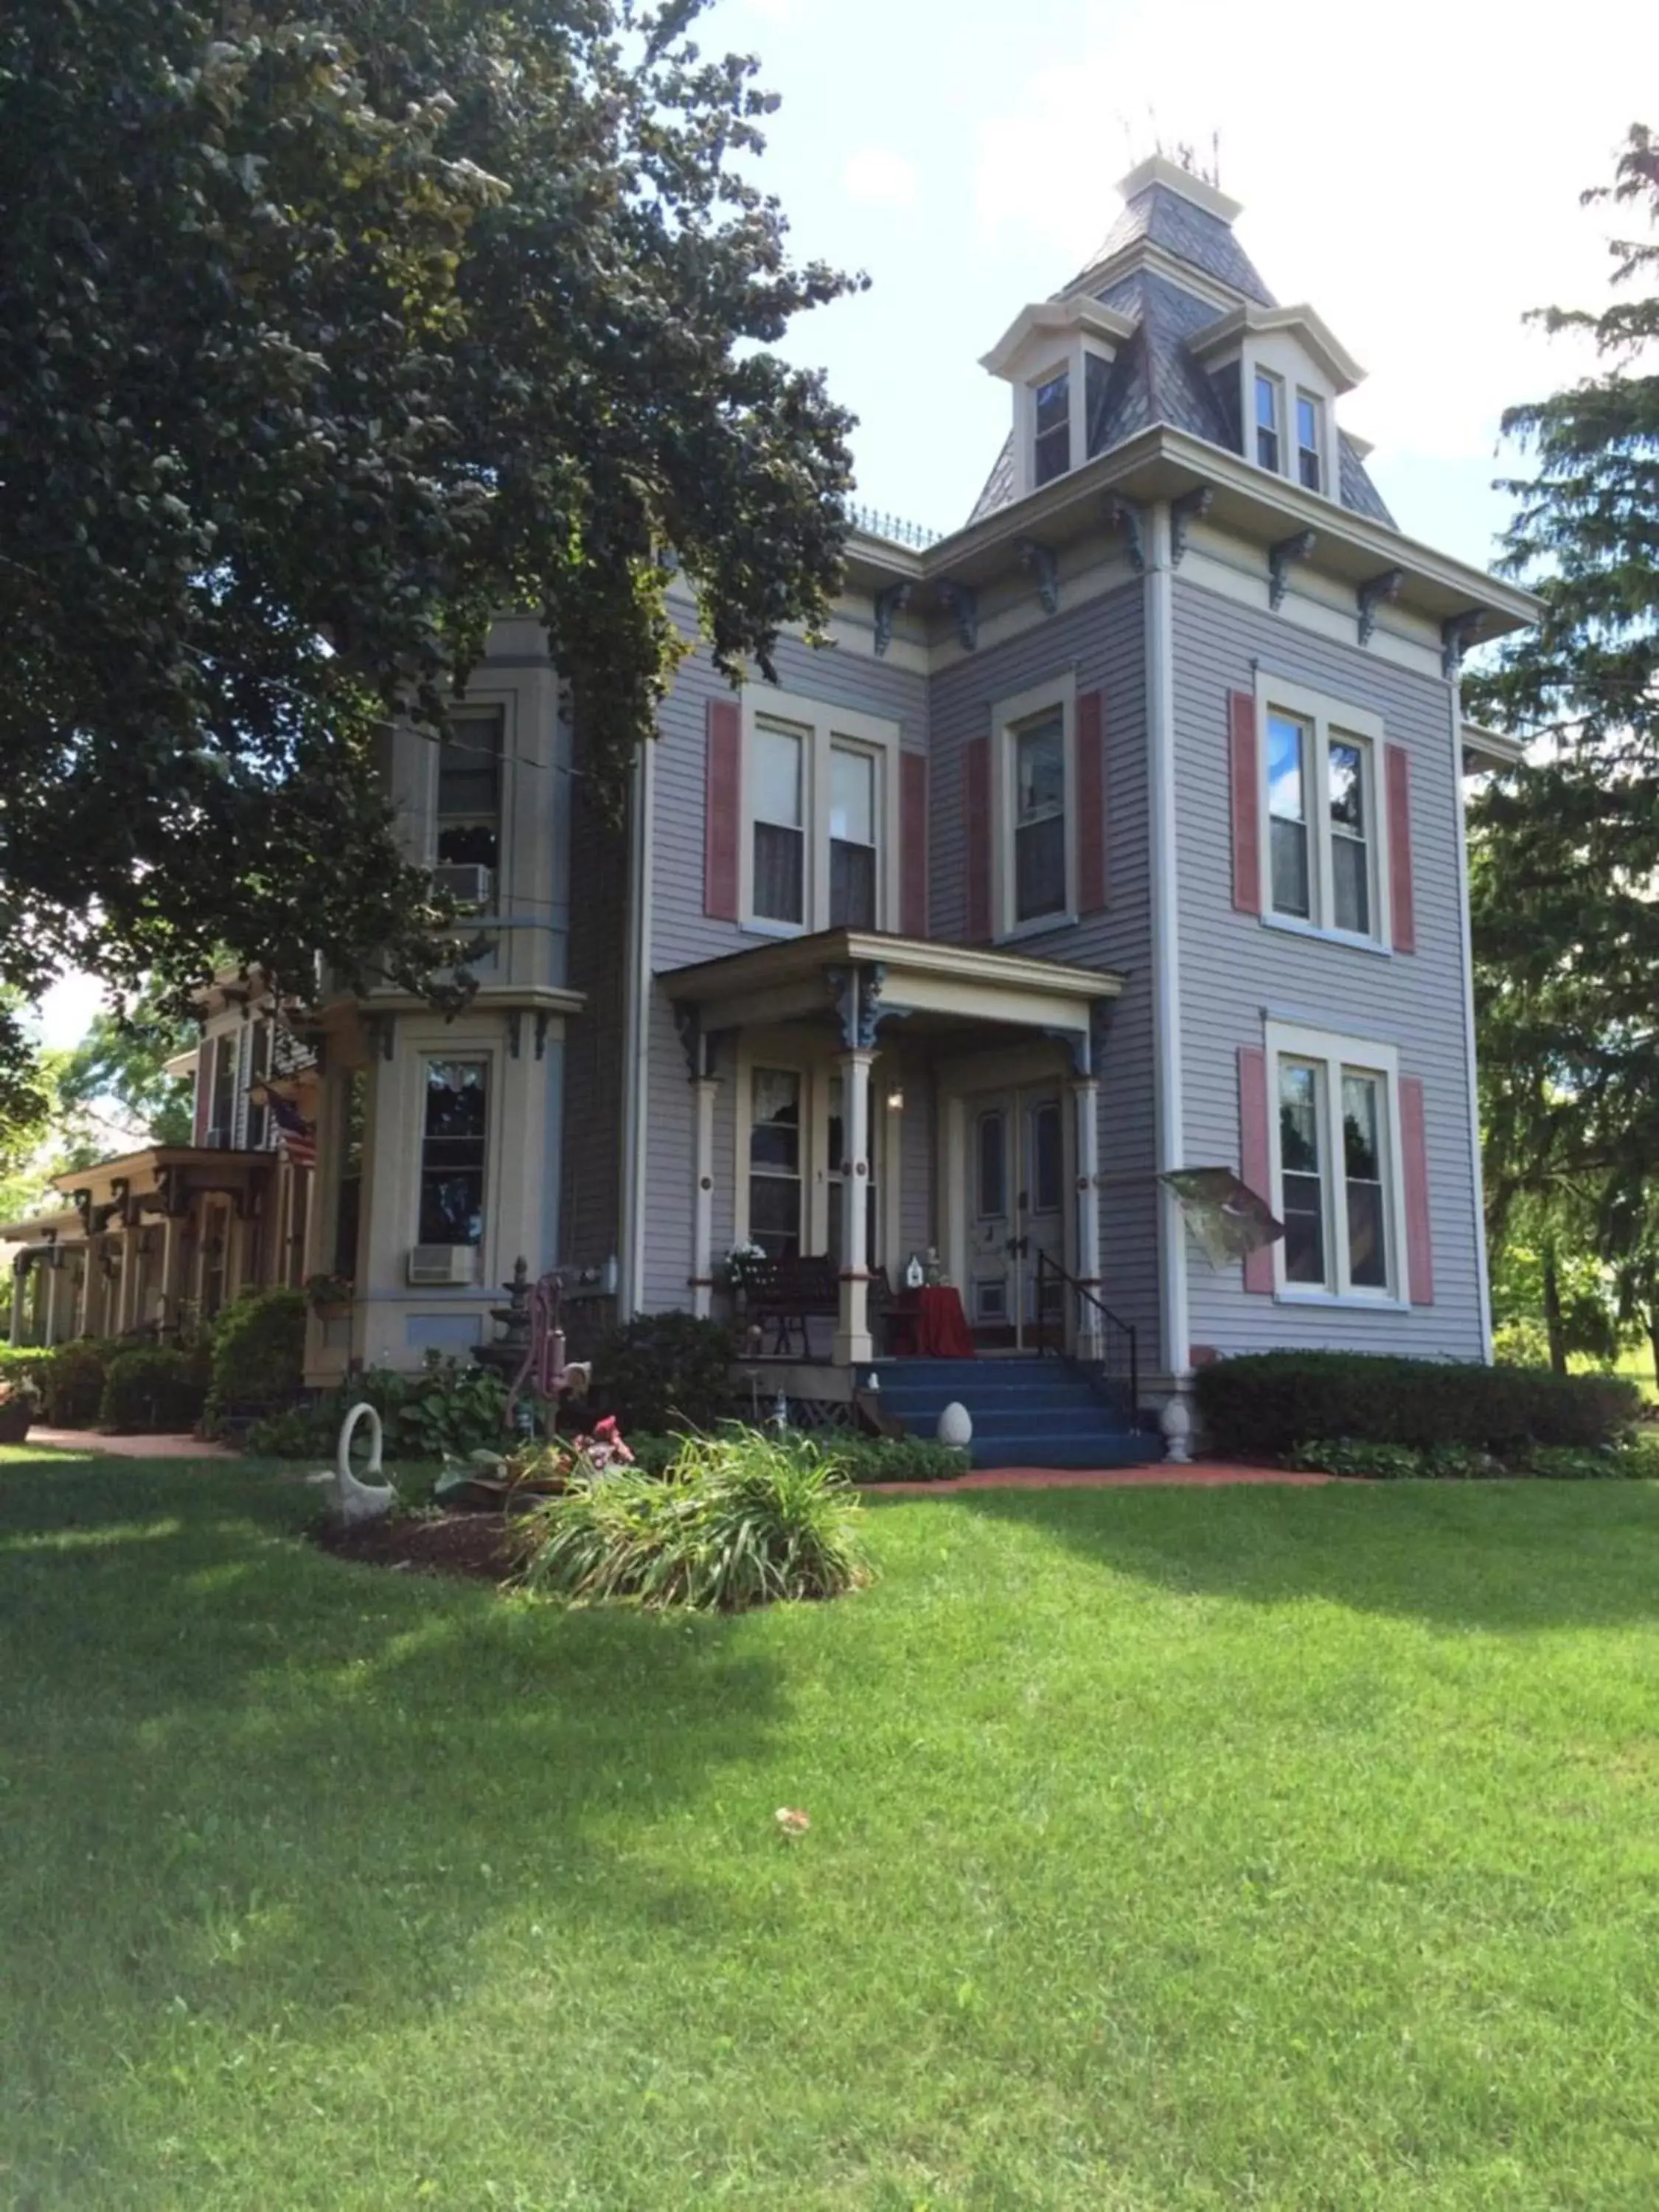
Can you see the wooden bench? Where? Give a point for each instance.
(783, 1295)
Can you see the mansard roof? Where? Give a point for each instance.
(1158, 374)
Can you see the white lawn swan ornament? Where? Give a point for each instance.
(361, 1501)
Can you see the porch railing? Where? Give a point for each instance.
(1118, 1357)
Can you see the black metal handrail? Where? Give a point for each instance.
(1120, 1359)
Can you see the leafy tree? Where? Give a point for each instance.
(328, 327)
(122, 1062)
(1566, 858)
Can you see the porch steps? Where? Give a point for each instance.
(1026, 1412)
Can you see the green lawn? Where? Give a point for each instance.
(1295, 1849)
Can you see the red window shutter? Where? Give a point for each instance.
(1247, 802)
(913, 844)
(976, 829)
(1402, 898)
(1255, 1163)
(1420, 1240)
(722, 809)
(1092, 880)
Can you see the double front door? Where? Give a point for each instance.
(1016, 1213)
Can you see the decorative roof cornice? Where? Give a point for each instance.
(1338, 363)
(1078, 312)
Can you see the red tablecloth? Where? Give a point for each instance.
(941, 1326)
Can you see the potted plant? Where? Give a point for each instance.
(20, 1402)
(329, 1296)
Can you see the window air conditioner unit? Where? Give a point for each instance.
(467, 884)
(443, 1264)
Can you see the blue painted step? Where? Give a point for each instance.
(1026, 1412)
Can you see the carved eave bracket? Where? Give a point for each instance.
(1373, 593)
(1040, 560)
(688, 1020)
(1192, 506)
(890, 600)
(962, 604)
(1279, 557)
(1124, 515)
(859, 1007)
(1456, 636)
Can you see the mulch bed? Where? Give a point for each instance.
(479, 1545)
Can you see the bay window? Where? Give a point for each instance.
(1336, 1154)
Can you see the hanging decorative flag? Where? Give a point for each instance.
(297, 1136)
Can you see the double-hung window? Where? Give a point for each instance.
(1039, 766)
(1320, 770)
(1052, 428)
(777, 765)
(852, 838)
(1269, 421)
(1309, 441)
(453, 1137)
(820, 805)
(469, 808)
(1336, 1145)
(776, 1185)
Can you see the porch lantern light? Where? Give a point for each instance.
(895, 1098)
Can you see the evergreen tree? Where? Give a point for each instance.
(1566, 865)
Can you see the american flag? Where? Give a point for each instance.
(297, 1136)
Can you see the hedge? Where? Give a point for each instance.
(1271, 1401)
(258, 1350)
(153, 1386)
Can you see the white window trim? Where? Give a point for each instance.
(1290, 374)
(823, 727)
(1286, 1041)
(1007, 716)
(1327, 716)
(1258, 373)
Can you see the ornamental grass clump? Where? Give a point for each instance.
(738, 1520)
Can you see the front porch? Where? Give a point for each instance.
(867, 1102)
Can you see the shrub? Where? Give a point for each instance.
(1379, 1462)
(894, 1459)
(155, 1387)
(1270, 1401)
(73, 1380)
(740, 1519)
(258, 1349)
(663, 1370)
(1521, 1344)
(448, 1406)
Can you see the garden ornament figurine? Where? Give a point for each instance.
(1176, 1422)
(357, 1502)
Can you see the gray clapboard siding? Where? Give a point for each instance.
(1232, 966)
(681, 933)
(1105, 641)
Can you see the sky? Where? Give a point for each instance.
(1413, 173)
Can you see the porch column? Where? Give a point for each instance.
(1085, 1093)
(19, 1276)
(853, 1343)
(705, 1089)
(172, 1247)
(53, 1264)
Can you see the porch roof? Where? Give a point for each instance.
(795, 978)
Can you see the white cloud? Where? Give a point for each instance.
(1419, 187)
(65, 1012)
(878, 175)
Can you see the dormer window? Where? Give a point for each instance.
(1309, 441)
(1269, 416)
(1051, 450)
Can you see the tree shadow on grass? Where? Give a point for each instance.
(244, 1778)
(1507, 1556)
